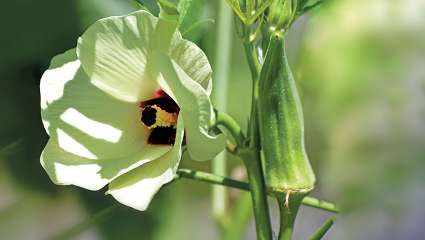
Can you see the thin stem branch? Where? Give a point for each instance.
(211, 178)
(309, 7)
(228, 182)
(225, 120)
(203, 177)
(320, 204)
(11, 147)
(86, 224)
(323, 229)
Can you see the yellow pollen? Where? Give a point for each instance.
(164, 118)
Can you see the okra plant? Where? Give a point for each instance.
(122, 106)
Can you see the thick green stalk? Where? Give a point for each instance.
(288, 207)
(252, 59)
(252, 155)
(251, 158)
(221, 70)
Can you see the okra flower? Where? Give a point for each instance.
(118, 117)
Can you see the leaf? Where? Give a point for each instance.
(302, 3)
(150, 5)
(306, 8)
(139, 5)
(195, 28)
(190, 14)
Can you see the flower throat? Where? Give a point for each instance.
(160, 115)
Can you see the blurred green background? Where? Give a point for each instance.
(360, 69)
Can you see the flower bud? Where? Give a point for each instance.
(281, 14)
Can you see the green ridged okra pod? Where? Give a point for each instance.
(285, 162)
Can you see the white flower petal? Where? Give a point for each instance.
(193, 61)
(114, 52)
(88, 126)
(195, 108)
(52, 86)
(93, 128)
(93, 118)
(137, 188)
(85, 175)
(71, 145)
(65, 168)
(140, 194)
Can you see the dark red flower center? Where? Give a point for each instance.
(160, 115)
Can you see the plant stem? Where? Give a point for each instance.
(288, 206)
(252, 59)
(252, 155)
(323, 229)
(228, 182)
(11, 147)
(223, 50)
(251, 158)
(320, 204)
(86, 224)
(203, 177)
(232, 126)
(211, 178)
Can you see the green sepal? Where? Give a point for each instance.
(167, 10)
(148, 5)
(285, 163)
(282, 14)
(166, 27)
